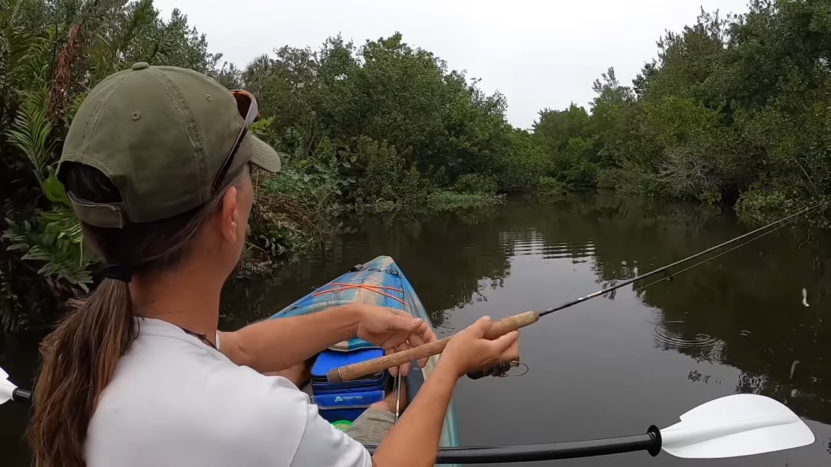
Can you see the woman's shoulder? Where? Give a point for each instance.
(175, 402)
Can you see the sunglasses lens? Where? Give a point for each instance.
(247, 106)
(253, 112)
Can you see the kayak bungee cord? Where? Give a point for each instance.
(512, 323)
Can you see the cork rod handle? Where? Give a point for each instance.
(376, 365)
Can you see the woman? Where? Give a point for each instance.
(156, 165)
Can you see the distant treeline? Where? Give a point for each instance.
(734, 110)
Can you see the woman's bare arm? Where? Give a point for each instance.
(414, 440)
(280, 343)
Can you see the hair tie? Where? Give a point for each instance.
(117, 272)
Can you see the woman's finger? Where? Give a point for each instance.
(401, 320)
(511, 353)
(429, 335)
(394, 370)
(395, 339)
(418, 326)
(426, 338)
(415, 340)
(404, 369)
(504, 342)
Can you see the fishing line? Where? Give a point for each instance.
(518, 364)
(669, 278)
(679, 262)
(515, 322)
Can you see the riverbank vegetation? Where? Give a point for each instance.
(733, 111)
(377, 128)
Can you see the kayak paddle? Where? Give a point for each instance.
(731, 426)
(10, 392)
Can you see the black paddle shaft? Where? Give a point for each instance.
(21, 395)
(650, 442)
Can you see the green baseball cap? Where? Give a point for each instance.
(161, 135)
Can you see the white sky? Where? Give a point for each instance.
(537, 53)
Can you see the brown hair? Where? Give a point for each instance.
(80, 355)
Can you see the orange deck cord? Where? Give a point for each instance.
(379, 289)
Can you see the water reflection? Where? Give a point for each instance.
(449, 260)
(611, 366)
(743, 309)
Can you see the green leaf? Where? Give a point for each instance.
(54, 190)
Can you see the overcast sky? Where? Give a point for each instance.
(538, 53)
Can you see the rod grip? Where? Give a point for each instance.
(377, 365)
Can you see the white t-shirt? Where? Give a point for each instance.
(174, 401)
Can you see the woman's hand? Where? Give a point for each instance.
(469, 351)
(392, 330)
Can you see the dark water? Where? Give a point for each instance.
(608, 367)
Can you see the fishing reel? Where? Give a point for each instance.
(499, 371)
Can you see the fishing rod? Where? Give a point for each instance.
(730, 426)
(515, 322)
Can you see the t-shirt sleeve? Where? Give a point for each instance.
(323, 444)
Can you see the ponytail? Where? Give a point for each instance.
(79, 360)
(80, 356)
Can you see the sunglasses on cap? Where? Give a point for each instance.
(247, 107)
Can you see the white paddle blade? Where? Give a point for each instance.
(6, 387)
(736, 425)
(6, 391)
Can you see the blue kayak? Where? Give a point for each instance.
(378, 282)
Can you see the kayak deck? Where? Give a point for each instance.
(378, 282)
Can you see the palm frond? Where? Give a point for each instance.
(31, 130)
(73, 107)
(16, 42)
(59, 246)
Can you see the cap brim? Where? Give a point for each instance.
(262, 154)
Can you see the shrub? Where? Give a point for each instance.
(476, 184)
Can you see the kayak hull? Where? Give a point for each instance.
(377, 282)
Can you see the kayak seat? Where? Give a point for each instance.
(341, 403)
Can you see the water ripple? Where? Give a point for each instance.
(667, 339)
(530, 243)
